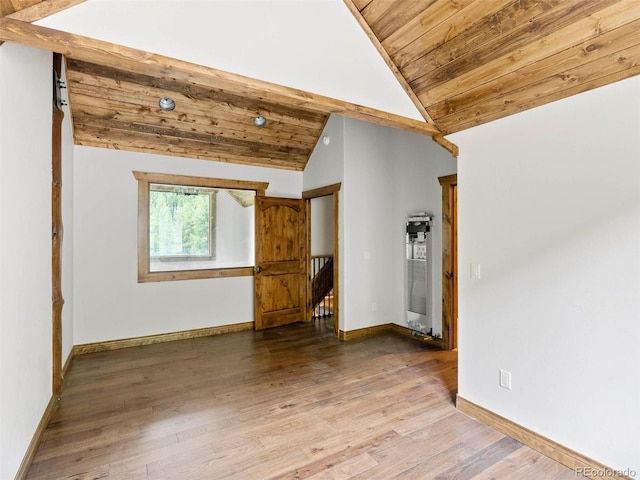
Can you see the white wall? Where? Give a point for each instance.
(326, 164)
(368, 196)
(67, 237)
(418, 162)
(25, 248)
(549, 205)
(386, 174)
(108, 302)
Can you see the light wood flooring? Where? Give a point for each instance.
(289, 403)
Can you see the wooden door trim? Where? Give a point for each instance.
(449, 273)
(322, 191)
(308, 195)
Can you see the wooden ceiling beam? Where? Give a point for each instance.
(447, 145)
(118, 56)
(43, 9)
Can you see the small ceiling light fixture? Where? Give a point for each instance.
(167, 104)
(259, 121)
(326, 139)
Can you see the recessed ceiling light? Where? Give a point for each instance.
(167, 104)
(260, 121)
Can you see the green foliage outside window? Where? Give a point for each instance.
(179, 223)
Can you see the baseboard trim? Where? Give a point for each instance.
(407, 332)
(376, 329)
(160, 338)
(67, 363)
(570, 458)
(363, 332)
(35, 440)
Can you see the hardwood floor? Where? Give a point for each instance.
(290, 403)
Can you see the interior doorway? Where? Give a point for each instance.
(449, 186)
(323, 291)
(322, 250)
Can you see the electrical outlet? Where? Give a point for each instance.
(505, 379)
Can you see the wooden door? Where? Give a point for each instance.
(280, 273)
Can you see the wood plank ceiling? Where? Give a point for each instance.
(470, 62)
(7, 7)
(463, 62)
(115, 108)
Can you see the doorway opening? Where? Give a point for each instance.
(323, 260)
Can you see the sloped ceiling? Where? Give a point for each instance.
(429, 66)
(470, 62)
(116, 108)
(11, 6)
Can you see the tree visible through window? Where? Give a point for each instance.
(181, 221)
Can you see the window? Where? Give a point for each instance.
(181, 224)
(195, 227)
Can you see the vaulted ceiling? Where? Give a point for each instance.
(469, 62)
(462, 63)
